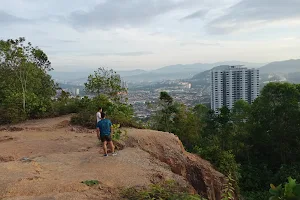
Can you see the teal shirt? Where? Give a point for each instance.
(104, 126)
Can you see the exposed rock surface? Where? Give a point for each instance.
(48, 159)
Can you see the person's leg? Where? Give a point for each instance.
(112, 147)
(105, 147)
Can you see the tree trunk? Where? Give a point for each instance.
(24, 101)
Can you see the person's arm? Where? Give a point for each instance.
(98, 132)
(111, 128)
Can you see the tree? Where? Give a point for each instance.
(163, 120)
(106, 82)
(21, 59)
(165, 98)
(275, 125)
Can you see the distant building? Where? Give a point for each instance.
(233, 84)
(124, 84)
(185, 85)
(75, 91)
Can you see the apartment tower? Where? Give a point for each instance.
(232, 84)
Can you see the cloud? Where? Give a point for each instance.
(248, 13)
(93, 53)
(8, 19)
(195, 15)
(199, 44)
(123, 13)
(67, 41)
(137, 53)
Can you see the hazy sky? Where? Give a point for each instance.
(130, 34)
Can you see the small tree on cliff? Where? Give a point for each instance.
(106, 82)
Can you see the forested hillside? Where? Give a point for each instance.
(255, 145)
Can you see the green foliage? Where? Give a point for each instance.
(168, 190)
(163, 120)
(255, 195)
(118, 113)
(118, 133)
(256, 144)
(255, 177)
(25, 84)
(286, 171)
(166, 98)
(290, 191)
(228, 189)
(275, 119)
(90, 182)
(106, 82)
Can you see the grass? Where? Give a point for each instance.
(168, 190)
(90, 182)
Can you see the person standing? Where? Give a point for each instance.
(104, 130)
(98, 115)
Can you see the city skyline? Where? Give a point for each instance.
(148, 34)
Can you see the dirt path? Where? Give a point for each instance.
(60, 158)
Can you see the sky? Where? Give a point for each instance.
(148, 34)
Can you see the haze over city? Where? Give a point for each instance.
(149, 34)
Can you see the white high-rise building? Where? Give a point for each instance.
(232, 84)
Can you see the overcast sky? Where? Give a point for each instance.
(148, 34)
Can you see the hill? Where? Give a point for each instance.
(48, 159)
(80, 77)
(199, 67)
(285, 67)
(288, 70)
(180, 71)
(171, 72)
(203, 79)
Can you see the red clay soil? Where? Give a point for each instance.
(48, 159)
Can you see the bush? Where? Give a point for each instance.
(11, 115)
(224, 161)
(85, 119)
(256, 195)
(255, 177)
(289, 191)
(169, 190)
(90, 182)
(286, 171)
(118, 113)
(66, 106)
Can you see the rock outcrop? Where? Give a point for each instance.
(168, 149)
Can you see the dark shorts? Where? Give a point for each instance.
(106, 138)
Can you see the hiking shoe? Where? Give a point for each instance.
(105, 155)
(114, 154)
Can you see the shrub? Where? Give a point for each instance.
(11, 115)
(118, 133)
(255, 195)
(255, 177)
(85, 119)
(228, 189)
(118, 113)
(90, 182)
(286, 171)
(289, 191)
(168, 190)
(66, 106)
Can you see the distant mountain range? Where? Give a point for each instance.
(288, 70)
(180, 71)
(197, 71)
(287, 66)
